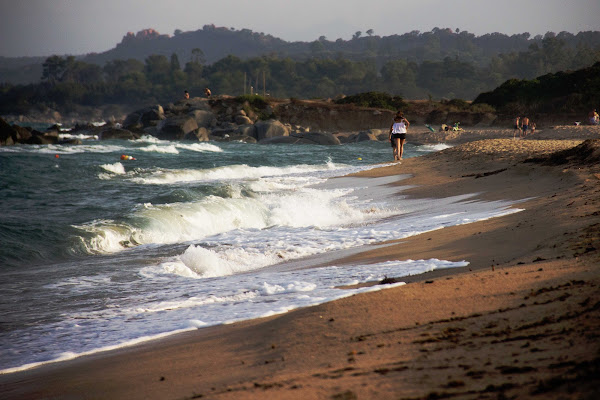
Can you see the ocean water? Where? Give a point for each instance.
(97, 252)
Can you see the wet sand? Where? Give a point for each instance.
(521, 321)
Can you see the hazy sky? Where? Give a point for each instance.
(46, 27)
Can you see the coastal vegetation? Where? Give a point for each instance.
(442, 64)
(565, 91)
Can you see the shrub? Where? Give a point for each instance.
(374, 100)
(254, 100)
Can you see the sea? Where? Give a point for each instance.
(111, 243)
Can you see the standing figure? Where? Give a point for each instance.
(207, 92)
(398, 134)
(186, 94)
(525, 125)
(517, 128)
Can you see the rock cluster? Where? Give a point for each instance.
(224, 118)
(221, 119)
(15, 134)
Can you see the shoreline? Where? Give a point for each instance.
(401, 342)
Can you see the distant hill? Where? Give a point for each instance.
(215, 43)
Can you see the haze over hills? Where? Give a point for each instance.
(212, 43)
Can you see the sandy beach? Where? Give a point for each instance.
(522, 320)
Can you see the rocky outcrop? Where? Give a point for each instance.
(328, 117)
(199, 135)
(176, 128)
(149, 116)
(269, 129)
(204, 118)
(15, 134)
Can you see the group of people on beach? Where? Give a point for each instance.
(398, 135)
(523, 125)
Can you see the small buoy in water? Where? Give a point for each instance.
(56, 156)
(126, 157)
(359, 159)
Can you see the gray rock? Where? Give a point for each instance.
(247, 130)
(203, 118)
(152, 115)
(365, 136)
(269, 129)
(151, 130)
(175, 128)
(200, 135)
(7, 134)
(242, 120)
(22, 134)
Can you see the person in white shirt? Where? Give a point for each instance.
(398, 135)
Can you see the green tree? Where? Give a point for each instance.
(175, 66)
(53, 69)
(114, 70)
(157, 69)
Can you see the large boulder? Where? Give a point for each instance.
(269, 129)
(242, 120)
(247, 130)
(23, 134)
(193, 103)
(151, 116)
(365, 136)
(148, 116)
(175, 128)
(199, 135)
(43, 139)
(203, 118)
(8, 134)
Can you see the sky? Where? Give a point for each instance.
(75, 27)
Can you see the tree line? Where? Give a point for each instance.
(160, 79)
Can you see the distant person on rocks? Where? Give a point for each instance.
(207, 92)
(594, 118)
(398, 134)
(525, 125)
(186, 95)
(517, 127)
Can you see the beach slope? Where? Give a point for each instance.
(521, 321)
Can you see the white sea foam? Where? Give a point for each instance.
(428, 148)
(77, 136)
(200, 147)
(230, 172)
(155, 148)
(186, 305)
(116, 168)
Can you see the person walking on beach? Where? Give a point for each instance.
(398, 134)
(517, 128)
(525, 125)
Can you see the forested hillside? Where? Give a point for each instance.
(441, 64)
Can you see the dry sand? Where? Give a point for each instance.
(521, 321)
